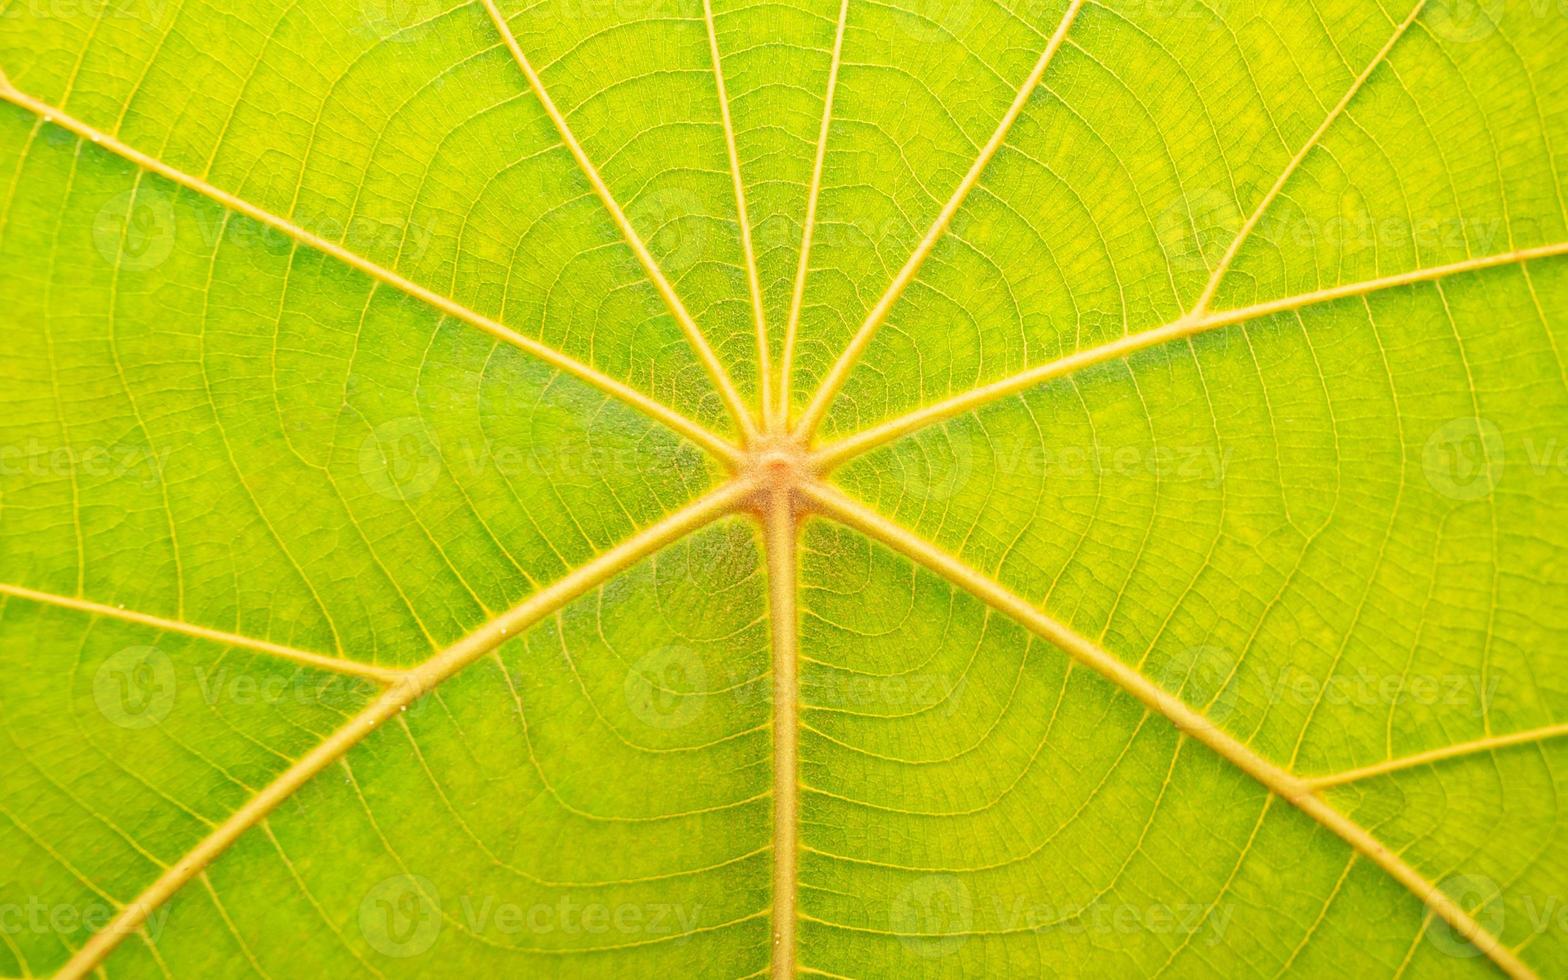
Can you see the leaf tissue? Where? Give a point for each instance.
(783, 487)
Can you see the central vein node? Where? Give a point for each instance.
(778, 466)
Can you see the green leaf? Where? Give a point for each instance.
(703, 488)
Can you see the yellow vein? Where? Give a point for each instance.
(840, 371)
(415, 683)
(1474, 747)
(803, 263)
(680, 423)
(370, 672)
(780, 528)
(753, 280)
(1289, 787)
(1295, 162)
(838, 452)
(661, 283)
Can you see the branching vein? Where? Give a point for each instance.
(753, 279)
(846, 362)
(839, 452)
(780, 420)
(710, 359)
(1295, 162)
(1457, 751)
(414, 684)
(370, 672)
(1288, 786)
(779, 503)
(662, 413)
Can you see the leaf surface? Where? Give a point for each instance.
(769, 488)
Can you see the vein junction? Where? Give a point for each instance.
(778, 476)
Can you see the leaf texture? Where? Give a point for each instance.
(817, 487)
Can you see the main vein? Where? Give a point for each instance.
(710, 359)
(818, 405)
(412, 685)
(1297, 791)
(837, 453)
(783, 582)
(692, 430)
